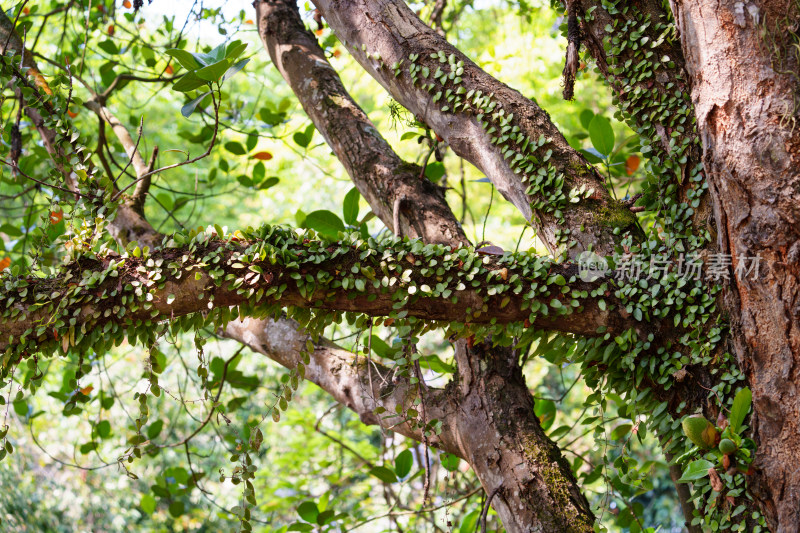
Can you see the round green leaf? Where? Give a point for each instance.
(176, 509)
(148, 503)
(449, 462)
(104, 429)
(434, 171)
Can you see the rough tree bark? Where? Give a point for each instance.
(745, 90)
(387, 182)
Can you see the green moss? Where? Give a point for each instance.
(557, 481)
(615, 215)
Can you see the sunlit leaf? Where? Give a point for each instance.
(449, 462)
(586, 117)
(740, 408)
(695, 470)
(214, 71)
(183, 57)
(148, 503)
(434, 171)
(469, 522)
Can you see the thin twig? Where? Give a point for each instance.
(213, 405)
(140, 192)
(182, 163)
(486, 506)
(15, 167)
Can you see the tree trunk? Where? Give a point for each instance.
(505, 445)
(744, 71)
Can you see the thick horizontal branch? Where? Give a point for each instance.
(276, 268)
(504, 134)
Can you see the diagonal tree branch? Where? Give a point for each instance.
(347, 378)
(504, 134)
(637, 50)
(390, 185)
(10, 40)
